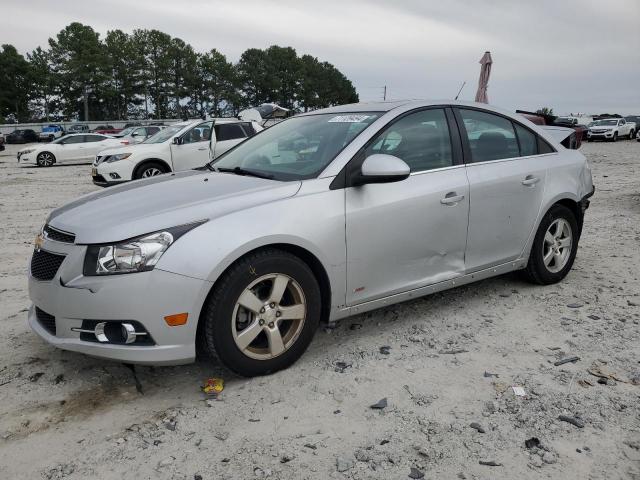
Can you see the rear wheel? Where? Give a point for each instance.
(262, 314)
(150, 169)
(45, 159)
(554, 247)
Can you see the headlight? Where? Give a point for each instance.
(28, 150)
(136, 255)
(115, 158)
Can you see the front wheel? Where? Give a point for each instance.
(262, 314)
(45, 159)
(150, 169)
(615, 137)
(554, 247)
(632, 135)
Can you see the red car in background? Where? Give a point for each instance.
(574, 141)
(106, 130)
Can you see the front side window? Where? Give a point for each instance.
(297, 148)
(72, 139)
(199, 133)
(421, 139)
(93, 138)
(490, 136)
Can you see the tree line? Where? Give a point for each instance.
(149, 74)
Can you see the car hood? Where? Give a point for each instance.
(145, 206)
(136, 148)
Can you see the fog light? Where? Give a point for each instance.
(114, 175)
(177, 319)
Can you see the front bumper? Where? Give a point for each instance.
(27, 159)
(600, 135)
(144, 298)
(106, 174)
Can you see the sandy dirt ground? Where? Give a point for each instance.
(448, 415)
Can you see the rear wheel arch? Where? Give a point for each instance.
(575, 209)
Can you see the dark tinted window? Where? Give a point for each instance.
(248, 129)
(527, 139)
(544, 147)
(421, 139)
(152, 130)
(199, 133)
(73, 139)
(491, 137)
(229, 131)
(93, 138)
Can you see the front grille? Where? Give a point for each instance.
(59, 235)
(46, 320)
(44, 265)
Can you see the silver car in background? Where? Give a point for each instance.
(325, 215)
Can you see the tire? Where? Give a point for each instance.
(632, 135)
(615, 137)
(45, 159)
(223, 319)
(543, 273)
(149, 169)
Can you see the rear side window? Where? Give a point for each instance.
(490, 136)
(93, 138)
(248, 129)
(544, 147)
(229, 131)
(527, 141)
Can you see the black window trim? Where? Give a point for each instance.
(352, 167)
(468, 160)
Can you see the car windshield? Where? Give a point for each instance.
(125, 132)
(297, 148)
(605, 122)
(165, 134)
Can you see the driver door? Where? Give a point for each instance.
(412, 233)
(193, 149)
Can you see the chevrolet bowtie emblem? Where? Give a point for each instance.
(39, 241)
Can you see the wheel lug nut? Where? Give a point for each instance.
(262, 310)
(272, 304)
(261, 322)
(278, 313)
(271, 324)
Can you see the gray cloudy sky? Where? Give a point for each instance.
(573, 55)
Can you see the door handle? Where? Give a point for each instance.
(203, 148)
(451, 198)
(530, 181)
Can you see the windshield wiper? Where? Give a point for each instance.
(243, 171)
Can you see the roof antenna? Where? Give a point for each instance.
(459, 91)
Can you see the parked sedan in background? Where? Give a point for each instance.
(182, 146)
(106, 130)
(22, 136)
(74, 148)
(324, 215)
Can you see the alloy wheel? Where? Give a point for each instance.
(46, 159)
(556, 248)
(268, 316)
(151, 172)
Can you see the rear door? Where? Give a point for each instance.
(506, 184)
(71, 149)
(93, 144)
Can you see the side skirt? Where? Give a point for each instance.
(429, 289)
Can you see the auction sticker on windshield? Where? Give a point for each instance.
(349, 118)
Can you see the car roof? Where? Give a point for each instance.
(411, 103)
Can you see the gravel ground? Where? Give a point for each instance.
(448, 415)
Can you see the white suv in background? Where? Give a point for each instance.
(181, 146)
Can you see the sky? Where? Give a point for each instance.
(576, 56)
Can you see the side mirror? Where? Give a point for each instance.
(177, 140)
(382, 168)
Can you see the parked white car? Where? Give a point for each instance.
(611, 129)
(181, 146)
(74, 148)
(135, 135)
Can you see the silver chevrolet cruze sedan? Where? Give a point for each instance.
(327, 214)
